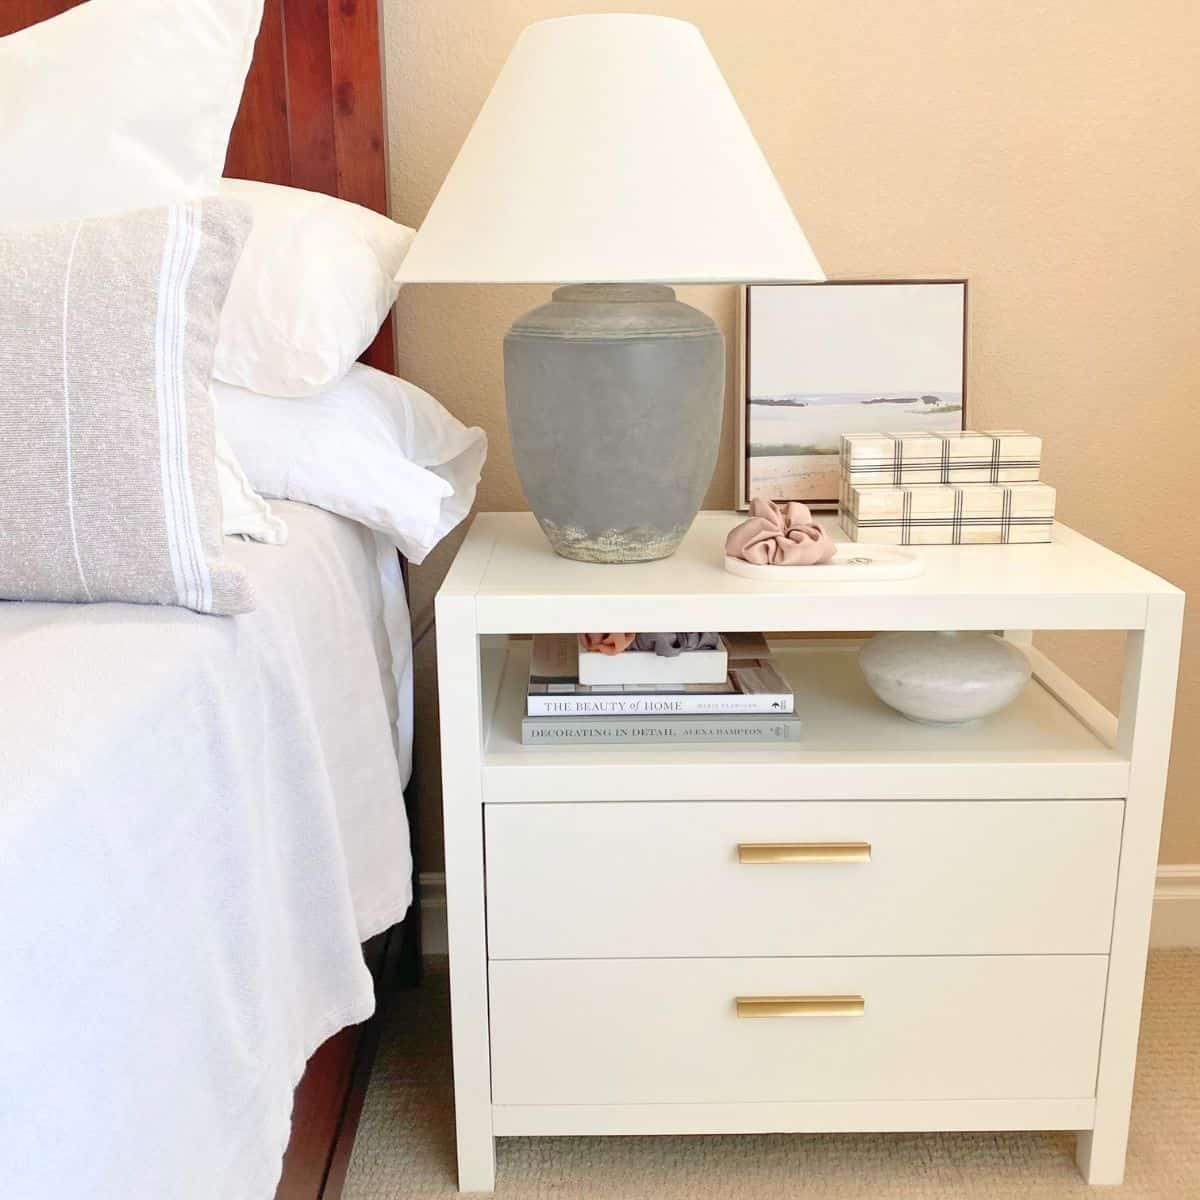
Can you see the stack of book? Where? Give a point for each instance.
(652, 699)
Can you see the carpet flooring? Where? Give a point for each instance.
(405, 1145)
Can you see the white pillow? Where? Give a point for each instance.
(314, 284)
(120, 104)
(244, 512)
(372, 447)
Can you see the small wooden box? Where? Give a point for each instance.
(945, 456)
(948, 514)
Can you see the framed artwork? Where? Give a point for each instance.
(822, 359)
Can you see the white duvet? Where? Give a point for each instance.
(200, 819)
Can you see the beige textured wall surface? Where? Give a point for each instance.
(1048, 151)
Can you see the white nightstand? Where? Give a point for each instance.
(602, 926)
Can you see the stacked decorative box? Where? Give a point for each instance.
(945, 488)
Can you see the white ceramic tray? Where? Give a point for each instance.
(852, 562)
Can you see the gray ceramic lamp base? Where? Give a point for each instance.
(615, 395)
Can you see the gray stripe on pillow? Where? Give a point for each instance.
(192, 583)
(108, 487)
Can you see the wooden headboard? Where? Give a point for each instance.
(312, 113)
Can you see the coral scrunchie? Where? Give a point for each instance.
(607, 643)
(782, 535)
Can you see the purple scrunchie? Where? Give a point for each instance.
(781, 535)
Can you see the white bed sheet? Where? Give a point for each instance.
(200, 819)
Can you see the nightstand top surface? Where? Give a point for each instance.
(519, 585)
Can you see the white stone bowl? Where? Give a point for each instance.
(944, 678)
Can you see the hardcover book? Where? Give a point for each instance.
(577, 731)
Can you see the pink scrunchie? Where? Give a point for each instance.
(782, 535)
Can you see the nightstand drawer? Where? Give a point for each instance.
(646, 1031)
(628, 880)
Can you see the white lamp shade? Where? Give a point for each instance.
(610, 150)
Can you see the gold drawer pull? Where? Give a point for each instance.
(800, 1006)
(804, 852)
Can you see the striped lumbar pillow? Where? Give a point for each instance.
(108, 486)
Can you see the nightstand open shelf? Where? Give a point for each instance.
(1038, 747)
(604, 924)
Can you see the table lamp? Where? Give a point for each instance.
(611, 157)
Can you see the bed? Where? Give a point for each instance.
(213, 850)
(193, 924)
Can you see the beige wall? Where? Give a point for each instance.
(1049, 151)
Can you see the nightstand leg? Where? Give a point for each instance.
(1019, 637)
(1101, 1162)
(1144, 734)
(462, 808)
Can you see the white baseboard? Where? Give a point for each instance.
(1177, 906)
(1176, 909)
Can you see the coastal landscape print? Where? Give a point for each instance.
(836, 358)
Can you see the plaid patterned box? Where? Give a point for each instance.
(948, 514)
(949, 456)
